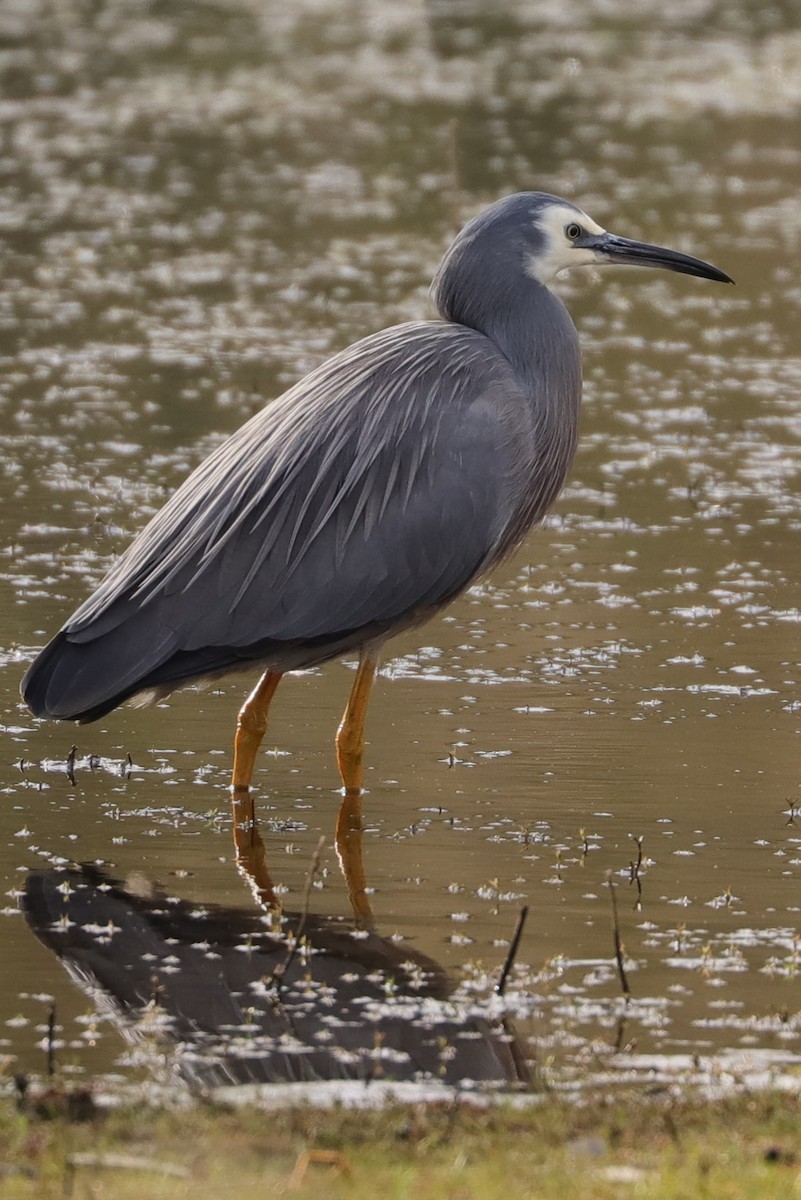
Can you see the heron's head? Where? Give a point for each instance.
(563, 236)
(532, 236)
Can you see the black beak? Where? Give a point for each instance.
(639, 254)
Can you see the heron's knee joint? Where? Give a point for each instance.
(250, 722)
(350, 743)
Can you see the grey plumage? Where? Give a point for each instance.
(366, 497)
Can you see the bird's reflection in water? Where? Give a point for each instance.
(266, 996)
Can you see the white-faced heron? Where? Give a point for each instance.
(361, 501)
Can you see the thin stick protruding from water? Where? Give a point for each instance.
(500, 987)
(71, 764)
(621, 970)
(280, 971)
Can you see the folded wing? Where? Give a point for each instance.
(356, 504)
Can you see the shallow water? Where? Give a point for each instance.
(198, 204)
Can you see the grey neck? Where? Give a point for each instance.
(531, 327)
(521, 316)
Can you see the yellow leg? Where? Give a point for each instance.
(250, 728)
(350, 751)
(350, 735)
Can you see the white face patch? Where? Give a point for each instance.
(559, 252)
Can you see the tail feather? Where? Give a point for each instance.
(79, 678)
(81, 681)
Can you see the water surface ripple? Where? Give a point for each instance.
(200, 202)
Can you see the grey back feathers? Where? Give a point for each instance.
(356, 504)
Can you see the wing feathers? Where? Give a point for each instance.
(372, 491)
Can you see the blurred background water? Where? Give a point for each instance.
(200, 201)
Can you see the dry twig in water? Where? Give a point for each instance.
(512, 952)
(621, 970)
(280, 971)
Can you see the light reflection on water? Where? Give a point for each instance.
(201, 205)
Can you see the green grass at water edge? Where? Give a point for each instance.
(744, 1148)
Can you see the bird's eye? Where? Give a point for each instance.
(573, 231)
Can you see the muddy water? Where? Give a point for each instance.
(198, 204)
